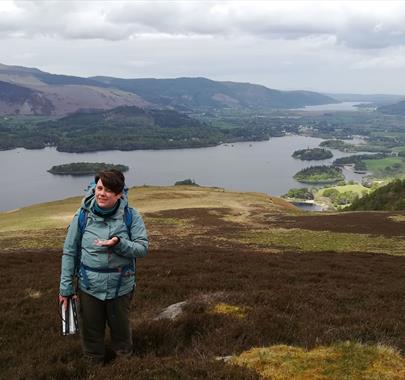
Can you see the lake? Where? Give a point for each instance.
(265, 166)
(343, 106)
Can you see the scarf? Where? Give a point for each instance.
(105, 212)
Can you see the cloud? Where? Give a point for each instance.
(328, 45)
(391, 60)
(358, 25)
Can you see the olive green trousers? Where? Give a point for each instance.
(95, 315)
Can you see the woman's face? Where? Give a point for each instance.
(105, 197)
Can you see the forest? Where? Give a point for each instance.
(85, 168)
(389, 197)
(123, 128)
(95, 130)
(312, 154)
(320, 174)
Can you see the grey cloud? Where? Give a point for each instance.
(360, 25)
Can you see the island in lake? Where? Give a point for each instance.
(85, 168)
(310, 154)
(320, 174)
(340, 145)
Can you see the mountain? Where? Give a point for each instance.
(389, 197)
(368, 98)
(127, 128)
(16, 99)
(393, 109)
(29, 91)
(203, 93)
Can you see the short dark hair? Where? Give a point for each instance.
(112, 179)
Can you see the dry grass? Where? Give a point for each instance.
(301, 240)
(349, 361)
(232, 310)
(398, 218)
(58, 214)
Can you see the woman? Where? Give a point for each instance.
(102, 243)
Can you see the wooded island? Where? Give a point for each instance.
(85, 168)
(320, 174)
(310, 154)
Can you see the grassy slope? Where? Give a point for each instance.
(356, 188)
(387, 197)
(378, 167)
(235, 258)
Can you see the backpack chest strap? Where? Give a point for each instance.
(125, 271)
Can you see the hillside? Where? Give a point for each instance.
(16, 100)
(203, 93)
(122, 128)
(368, 98)
(393, 109)
(36, 92)
(127, 128)
(389, 197)
(39, 93)
(269, 292)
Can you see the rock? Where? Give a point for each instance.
(172, 311)
(224, 358)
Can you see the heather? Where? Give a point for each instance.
(259, 300)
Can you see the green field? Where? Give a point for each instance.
(355, 188)
(386, 167)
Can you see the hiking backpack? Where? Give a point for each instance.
(80, 268)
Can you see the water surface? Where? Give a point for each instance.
(344, 106)
(265, 166)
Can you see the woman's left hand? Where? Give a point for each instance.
(107, 243)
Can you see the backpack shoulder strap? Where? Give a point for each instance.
(128, 216)
(82, 220)
(128, 219)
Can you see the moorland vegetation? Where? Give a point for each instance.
(269, 292)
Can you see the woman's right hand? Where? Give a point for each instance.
(64, 300)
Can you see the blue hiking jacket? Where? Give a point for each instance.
(102, 285)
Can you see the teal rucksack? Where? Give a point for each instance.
(80, 268)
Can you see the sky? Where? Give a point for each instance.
(326, 46)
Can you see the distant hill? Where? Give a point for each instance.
(34, 92)
(203, 93)
(15, 100)
(122, 128)
(369, 98)
(127, 128)
(389, 197)
(393, 109)
(42, 93)
(32, 76)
